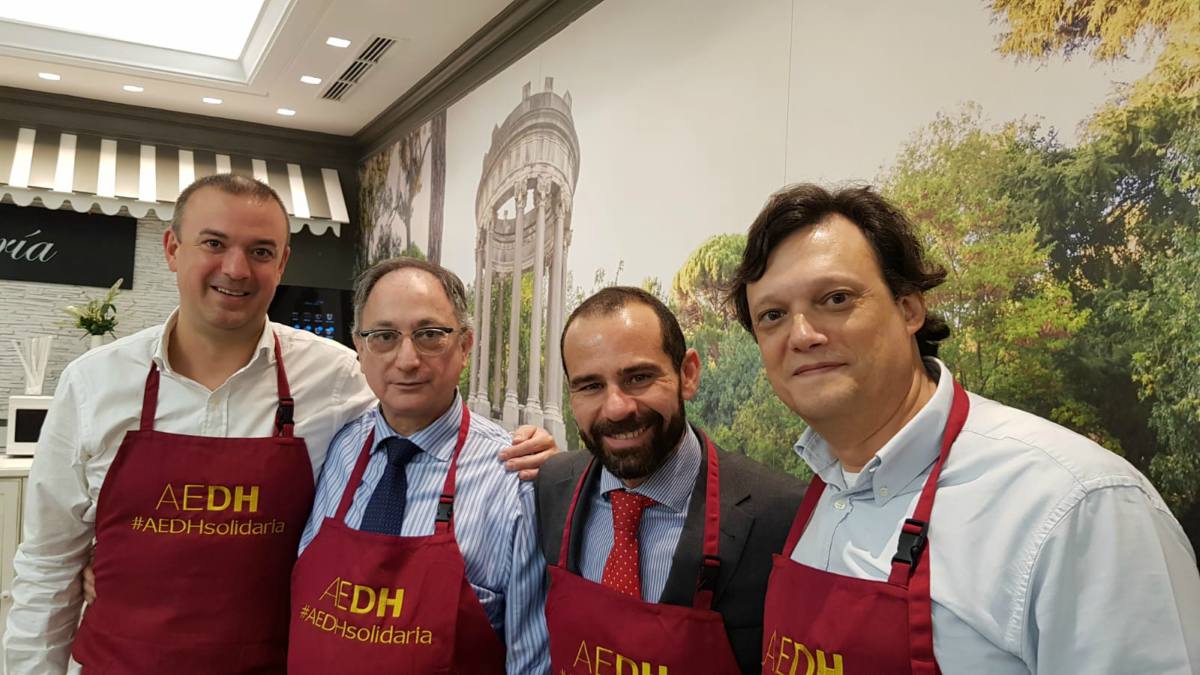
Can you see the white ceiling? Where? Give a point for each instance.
(289, 41)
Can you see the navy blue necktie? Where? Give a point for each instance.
(385, 511)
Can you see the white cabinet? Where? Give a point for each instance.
(10, 536)
(12, 484)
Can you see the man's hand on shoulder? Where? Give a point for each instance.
(531, 447)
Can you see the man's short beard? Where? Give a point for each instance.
(639, 463)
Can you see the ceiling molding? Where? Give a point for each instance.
(167, 127)
(511, 34)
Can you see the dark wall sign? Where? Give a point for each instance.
(65, 247)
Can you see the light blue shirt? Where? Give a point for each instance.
(494, 521)
(662, 522)
(1047, 553)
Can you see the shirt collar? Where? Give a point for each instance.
(671, 484)
(437, 439)
(265, 349)
(902, 459)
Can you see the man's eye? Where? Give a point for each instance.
(770, 316)
(838, 298)
(263, 253)
(386, 337)
(211, 243)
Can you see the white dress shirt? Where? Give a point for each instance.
(98, 400)
(1048, 553)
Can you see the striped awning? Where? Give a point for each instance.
(143, 180)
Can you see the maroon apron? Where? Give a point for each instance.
(820, 622)
(365, 602)
(596, 629)
(195, 541)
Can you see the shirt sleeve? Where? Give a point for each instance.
(1114, 589)
(525, 599)
(47, 592)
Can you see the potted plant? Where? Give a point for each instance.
(98, 317)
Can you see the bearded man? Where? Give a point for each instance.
(659, 545)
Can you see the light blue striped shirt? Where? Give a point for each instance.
(662, 522)
(494, 521)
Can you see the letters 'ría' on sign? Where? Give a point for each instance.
(65, 247)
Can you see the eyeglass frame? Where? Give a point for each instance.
(446, 331)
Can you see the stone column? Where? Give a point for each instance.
(512, 410)
(473, 377)
(533, 404)
(554, 382)
(482, 405)
(497, 363)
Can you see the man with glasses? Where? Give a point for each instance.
(421, 553)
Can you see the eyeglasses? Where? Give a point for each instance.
(428, 341)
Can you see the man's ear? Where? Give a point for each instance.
(912, 307)
(689, 375)
(170, 248)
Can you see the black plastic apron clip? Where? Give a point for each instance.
(445, 508)
(913, 537)
(283, 414)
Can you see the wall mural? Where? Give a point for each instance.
(1050, 159)
(403, 197)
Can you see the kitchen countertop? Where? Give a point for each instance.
(17, 467)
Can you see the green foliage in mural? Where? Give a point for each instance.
(1010, 316)
(1110, 30)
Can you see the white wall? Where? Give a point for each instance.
(29, 308)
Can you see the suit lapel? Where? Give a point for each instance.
(680, 588)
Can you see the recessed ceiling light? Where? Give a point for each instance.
(133, 89)
(53, 77)
(286, 112)
(337, 42)
(309, 79)
(212, 101)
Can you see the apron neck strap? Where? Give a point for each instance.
(150, 398)
(710, 564)
(564, 547)
(914, 534)
(444, 521)
(816, 487)
(360, 466)
(284, 414)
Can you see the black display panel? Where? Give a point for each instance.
(328, 312)
(28, 425)
(65, 247)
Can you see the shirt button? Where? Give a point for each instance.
(840, 504)
(883, 492)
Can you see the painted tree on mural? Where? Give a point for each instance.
(1011, 317)
(1126, 204)
(387, 201)
(437, 176)
(735, 404)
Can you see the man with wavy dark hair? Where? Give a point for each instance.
(1043, 552)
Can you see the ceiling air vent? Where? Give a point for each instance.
(362, 64)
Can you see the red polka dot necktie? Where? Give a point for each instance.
(621, 572)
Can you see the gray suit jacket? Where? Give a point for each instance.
(757, 508)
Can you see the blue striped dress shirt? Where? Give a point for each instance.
(662, 522)
(494, 518)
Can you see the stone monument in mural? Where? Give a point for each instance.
(523, 224)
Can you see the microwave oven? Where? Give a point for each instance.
(26, 414)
